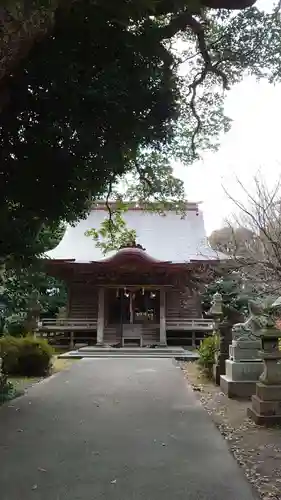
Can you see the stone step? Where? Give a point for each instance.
(120, 353)
(131, 350)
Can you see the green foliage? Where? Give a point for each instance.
(113, 233)
(22, 281)
(235, 298)
(156, 190)
(4, 386)
(15, 325)
(152, 183)
(20, 285)
(7, 390)
(75, 123)
(107, 88)
(207, 351)
(25, 356)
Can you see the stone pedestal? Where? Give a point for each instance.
(266, 403)
(225, 334)
(242, 369)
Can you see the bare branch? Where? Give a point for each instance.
(260, 258)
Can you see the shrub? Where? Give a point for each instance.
(9, 352)
(15, 325)
(207, 352)
(8, 392)
(25, 356)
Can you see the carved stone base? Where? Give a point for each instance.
(272, 368)
(237, 389)
(266, 405)
(243, 370)
(246, 350)
(240, 378)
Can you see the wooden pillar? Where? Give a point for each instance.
(71, 340)
(163, 337)
(100, 324)
(131, 308)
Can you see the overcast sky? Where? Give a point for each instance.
(253, 144)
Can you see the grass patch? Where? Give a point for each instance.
(60, 350)
(20, 384)
(61, 364)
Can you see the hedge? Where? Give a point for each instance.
(25, 356)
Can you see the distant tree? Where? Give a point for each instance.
(232, 240)
(257, 255)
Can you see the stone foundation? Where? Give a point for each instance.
(266, 405)
(237, 389)
(246, 350)
(240, 378)
(243, 370)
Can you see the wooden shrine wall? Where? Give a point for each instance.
(82, 301)
(183, 304)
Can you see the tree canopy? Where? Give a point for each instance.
(231, 240)
(114, 88)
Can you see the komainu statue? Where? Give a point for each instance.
(250, 329)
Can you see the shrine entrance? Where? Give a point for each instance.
(133, 306)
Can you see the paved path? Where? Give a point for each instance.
(115, 430)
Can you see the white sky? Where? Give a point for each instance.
(253, 144)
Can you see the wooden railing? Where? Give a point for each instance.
(184, 324)
(67, 325)
(187, 332)
(68, 332)
(175, 323)
(72, 331)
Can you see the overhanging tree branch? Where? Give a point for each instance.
(184, 20)
(179, 23)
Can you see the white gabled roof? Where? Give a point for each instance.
(166, 237)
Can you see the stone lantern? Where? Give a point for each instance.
(215, 310)
(33, 313)
(216, 307)
(266, 403)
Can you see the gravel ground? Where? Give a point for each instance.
(256, 449)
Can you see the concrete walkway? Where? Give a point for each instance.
(115, 429)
